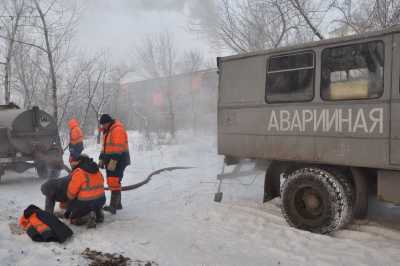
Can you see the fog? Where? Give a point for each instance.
(115, 26)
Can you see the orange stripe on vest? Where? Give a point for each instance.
(115, 141)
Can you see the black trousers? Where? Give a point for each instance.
(78, 208)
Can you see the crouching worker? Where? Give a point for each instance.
(55, 190)
(85, 193)
(42, 226)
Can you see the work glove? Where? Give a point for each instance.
(59, 214)
(112, 165)
(101, 164)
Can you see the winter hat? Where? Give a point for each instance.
(105, 118)
(73, 122)
(83, 157)
(87, 164)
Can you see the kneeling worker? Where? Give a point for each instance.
(55, 190)
(85, 193)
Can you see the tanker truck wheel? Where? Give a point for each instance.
(317, 200)
(44, 170)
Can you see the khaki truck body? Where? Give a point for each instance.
(332, 105)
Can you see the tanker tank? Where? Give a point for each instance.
(29, 139)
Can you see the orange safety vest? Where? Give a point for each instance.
(85, 186)
(75, 133)
(115, 140)
(35, 222)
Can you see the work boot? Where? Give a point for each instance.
(91, 223)
(81, 220)
(112, 208)
(119, 205)
(99, 216)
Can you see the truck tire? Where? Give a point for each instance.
(349, 200)
(45, 171)
(317, 200)
(349, 190)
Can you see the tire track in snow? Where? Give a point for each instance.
(249, 222)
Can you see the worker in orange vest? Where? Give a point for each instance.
(114, 158)
(85, 193)
(75, 139)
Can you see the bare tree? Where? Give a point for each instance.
(306, 10)
(75, 85)
(103, 97)
(95, 76)
(50, 33)
(363, 16)
(50, 49)
(247, 25)
(29, 75)
(193, 61)
(157, 58)
(117, 75)
(10, 22)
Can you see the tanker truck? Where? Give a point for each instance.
(29, 139)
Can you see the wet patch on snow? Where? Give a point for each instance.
(98, 258)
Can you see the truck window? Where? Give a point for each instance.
(290, 78)
(353, 72)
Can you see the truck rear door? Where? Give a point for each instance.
(395, 104)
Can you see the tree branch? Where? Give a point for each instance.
(24, 43)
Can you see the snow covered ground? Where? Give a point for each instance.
(174, 221)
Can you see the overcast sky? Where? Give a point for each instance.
(116, 25)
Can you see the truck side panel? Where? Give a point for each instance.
(349, 132)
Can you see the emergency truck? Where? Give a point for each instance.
(324, 117)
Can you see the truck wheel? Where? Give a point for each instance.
(45, 171)
(316, 200)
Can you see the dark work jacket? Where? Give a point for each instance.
(56, 189)
(75, 150)
(59, 231)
